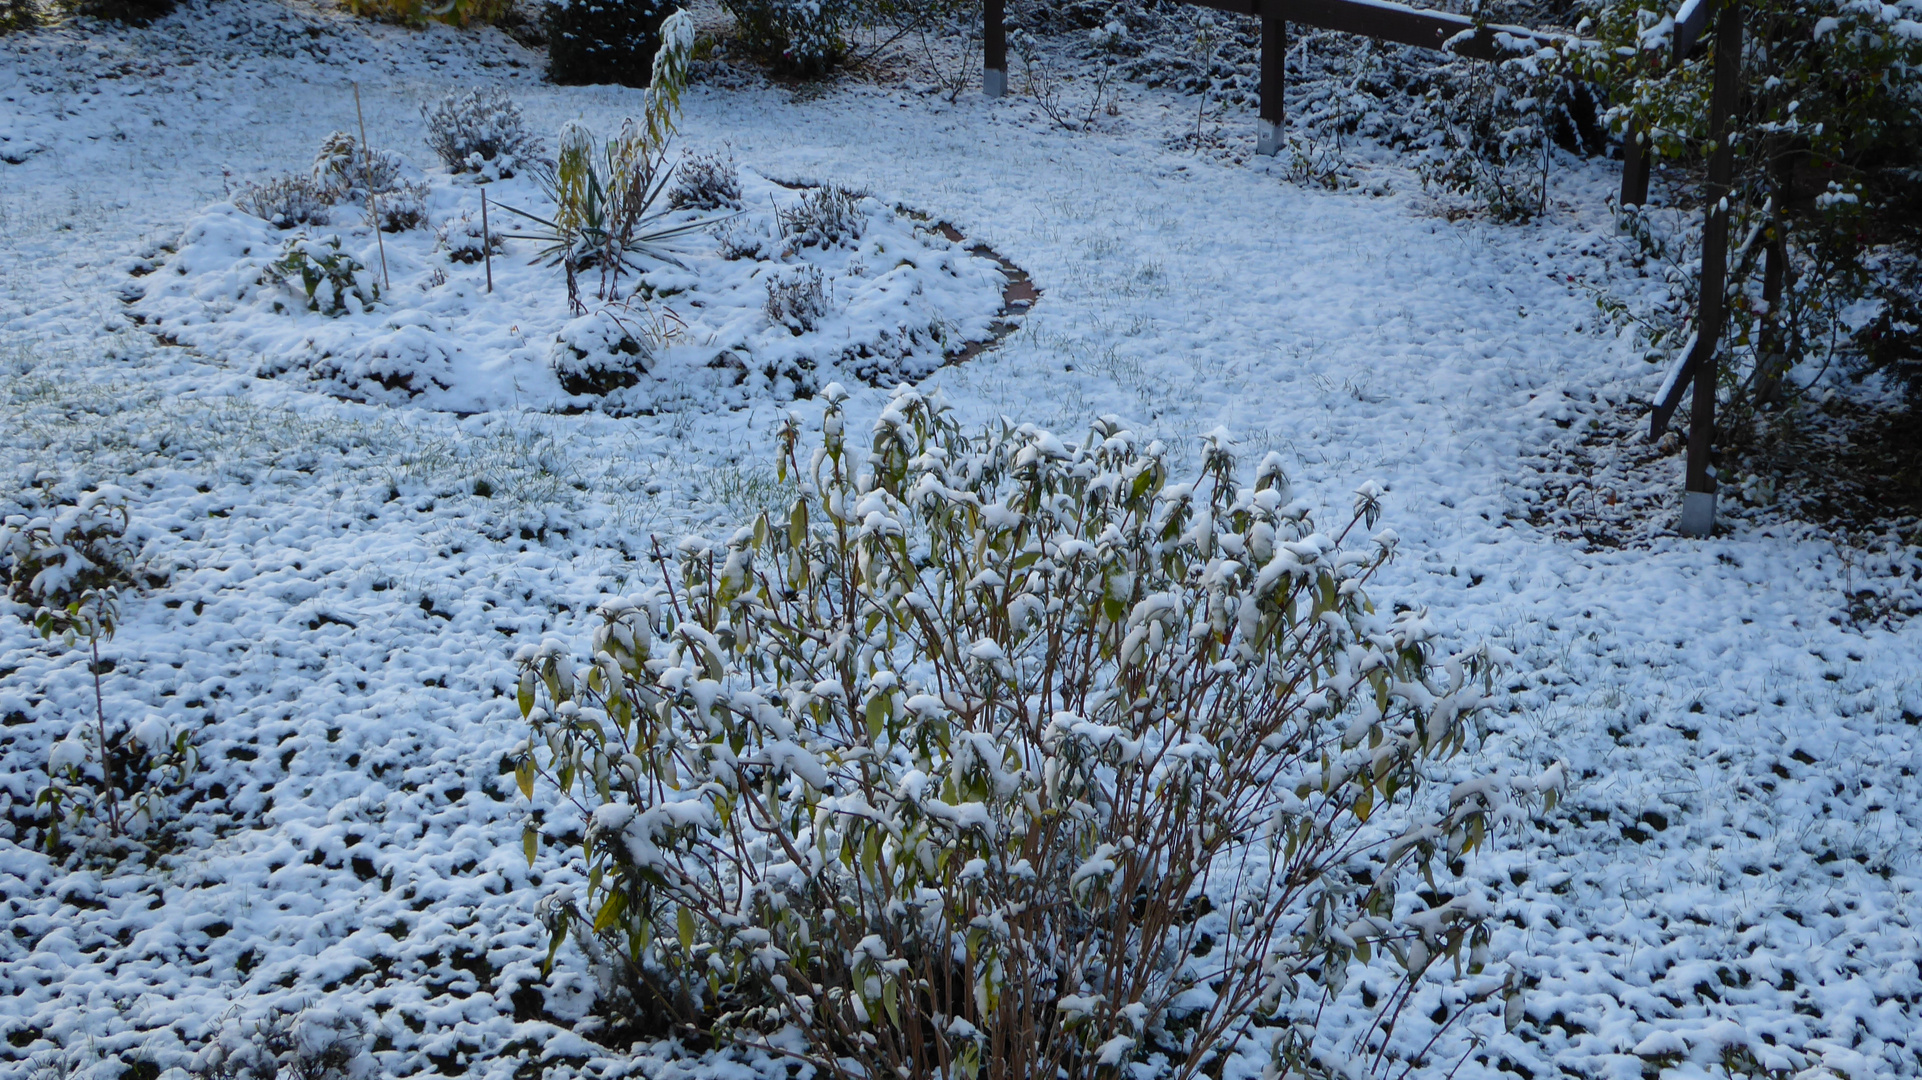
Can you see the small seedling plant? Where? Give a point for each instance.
(114, 787)
(1001, 756)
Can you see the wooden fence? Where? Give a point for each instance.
(1445, 32)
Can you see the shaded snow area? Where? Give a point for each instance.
(347, 570)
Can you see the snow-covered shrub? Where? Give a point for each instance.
(603, 41)
(464, 241)
(806, 37)
(136, 12)
(1828, 155)
(404, 206)
(1493, 139)
(480, 131)
(998, 755)
(53, 560)
(600, 353)
(745, 238)
(18, 15)
(797, 299)
(317, 1043)
(285, 201)
(108, 784)
(332, 281)
(419, 12)
(349, 172)
(826, 216)
(706, 182)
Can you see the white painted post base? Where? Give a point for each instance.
(1698, 513)
(994, 83)
(1268, 138)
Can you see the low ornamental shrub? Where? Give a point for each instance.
(480, 131)
(797, 299)
(330, 280)
(999, 756)
(348, 172)
(603, 41)
(422, 12)
(464, 241)
(706, 182)
(804, 37)
(285, 201)
(824, 217)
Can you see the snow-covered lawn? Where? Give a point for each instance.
(1733, 871)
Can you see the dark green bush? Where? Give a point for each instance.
(604, 41)
(1828, 160)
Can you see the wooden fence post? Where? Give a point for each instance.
(1269, 128)
(994, 48)
(1698, 495)
(1634, 167)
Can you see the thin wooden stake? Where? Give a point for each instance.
(487, 242)
(373, 203)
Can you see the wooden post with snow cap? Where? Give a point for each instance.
(1274, 76)
(994, 48)
(1634, 167)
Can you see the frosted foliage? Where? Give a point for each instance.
(480, 131)
(1009, 756)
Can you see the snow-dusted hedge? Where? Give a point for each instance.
(804, 36)
(603, 41)
(480, 131)
(1002, 755)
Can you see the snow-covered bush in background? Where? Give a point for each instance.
(330, 280)
(136, 12)
(806, 37)
(419, 12)
(706, 182)
(600, 353)
(603, 41)
(285, 201)
(1003, 756)
(797, 299)
(19, 15)
(463, 239)
(1493, 125)
(1828, 155)
(824, 217)
(480, 131)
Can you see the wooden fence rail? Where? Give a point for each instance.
(1385, 20)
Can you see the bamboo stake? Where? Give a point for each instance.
(487, 242)
(373, 202)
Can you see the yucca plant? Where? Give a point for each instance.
(605, 194)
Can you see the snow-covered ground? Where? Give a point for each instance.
(1734, 869)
